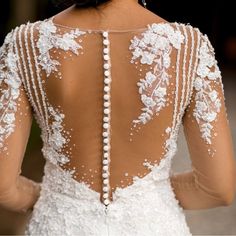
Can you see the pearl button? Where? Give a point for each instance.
(106, 89)
(106, 66)
(105, 175)
(106, 119)
(105, 189)
(106, 148)
(106, 104)
(106, 201)
(106, 140)
(105, 41)
(106, 57)
(106, 96)
(105, 195)
(105, 168)
(105, 34)
(106, 73)
(105, 181)
(105, 134)
(106, 50)
(106, 125)
(107, 81)
(105, 162)
(106, 155)
(106, 111)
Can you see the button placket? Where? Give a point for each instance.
(106, 119)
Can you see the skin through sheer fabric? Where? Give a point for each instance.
(180, 80)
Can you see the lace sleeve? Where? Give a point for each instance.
(211, 182)
(16, 192)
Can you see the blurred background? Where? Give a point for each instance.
(217, 21)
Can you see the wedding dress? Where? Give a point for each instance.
(109, 104)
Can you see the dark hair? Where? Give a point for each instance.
(80, 3)
(89, 3)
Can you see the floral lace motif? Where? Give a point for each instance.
(76, 206)
(154, 47)
(49, 39)
(57, 140)
(208, 103)
(10, 83)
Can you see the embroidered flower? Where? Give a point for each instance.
(154, 48)
(150, 77)
(147, 58)
(208, 103)
(10, 88)
(9, 118)
(198, 83)
(209, 117)
(213, 95)
(48, 39)
(160, 92)
(147, 101)
(201, 106)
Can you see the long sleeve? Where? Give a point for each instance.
(17, 193)
(211, 181)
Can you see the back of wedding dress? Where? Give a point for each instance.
(110, 105)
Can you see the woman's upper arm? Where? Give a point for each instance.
(15, 116)
(207, 130)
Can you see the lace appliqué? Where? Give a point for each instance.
(57, 139)
(10, 83)
(154, 47)
(208, 103)
(50, 39)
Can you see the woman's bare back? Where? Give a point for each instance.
(110, 91)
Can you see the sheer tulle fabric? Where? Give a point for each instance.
(159, 78)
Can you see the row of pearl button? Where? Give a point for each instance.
(106, 119)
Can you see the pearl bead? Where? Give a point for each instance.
(106, 104)
(106, 155)
(106, 96)
(105, 175)
(106, 125)
(106, 50)
(105, 41)
(105, 195)
(106, 140)
(105, 134)
(106, 66)
(105, 162)
(107, 81)
(106, 119)
(106, 111)
(105, 34)
(106, 148)
(106, 73)
(106, 89)
(105, 168)
(105, 181)
(106, 202)
(106, 57)
(105, 189)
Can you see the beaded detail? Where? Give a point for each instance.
(10, 88)
(49, 39)
(106, 118)
(154, 48)
(208, 103)
(174, 62)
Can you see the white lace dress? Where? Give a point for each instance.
(153, 75)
